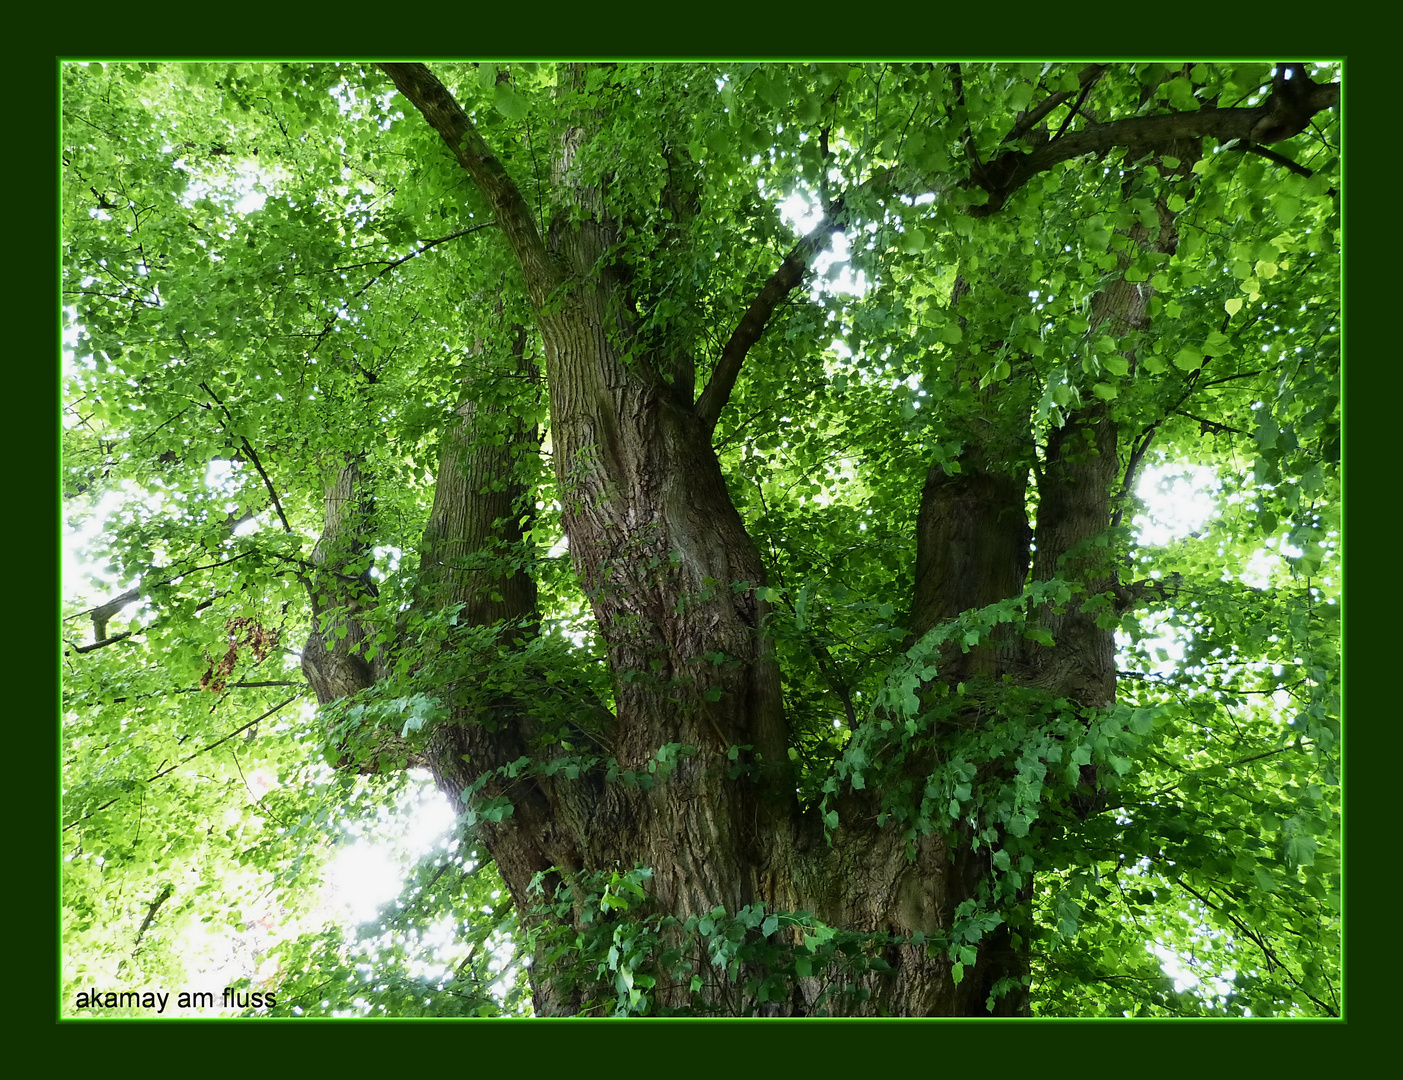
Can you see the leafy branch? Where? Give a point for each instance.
(757, 315)
(1274, 962)
(252, 456)
(103, 613)
(1086, 80)
(518, 224)
(151, 910)
(185, 761)
(1287, 112)
(1284, 114)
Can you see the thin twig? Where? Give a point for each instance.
(151, 910)
(192, 757)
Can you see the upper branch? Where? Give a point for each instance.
(253, 457)
(752, 324)
(1036, 115)
(779, 285)
(1285, 113)
(103, 613)
(782, 282)
(513, 215)
(203, 750)
(417, 252)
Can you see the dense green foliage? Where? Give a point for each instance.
(268, 267)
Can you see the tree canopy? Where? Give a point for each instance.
(727, 485)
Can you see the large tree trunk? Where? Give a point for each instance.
(672, 575)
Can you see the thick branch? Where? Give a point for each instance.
(151, 910)
(1282, 115)
(518, 225)
(102, 614)
(752, 324)
(1279, 117)
(102, 643)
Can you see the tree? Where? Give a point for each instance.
(827, 711)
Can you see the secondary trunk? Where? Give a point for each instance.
(692, 779)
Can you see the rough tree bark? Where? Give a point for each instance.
(341, 591)
(672, 575)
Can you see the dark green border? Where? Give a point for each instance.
(1003, 32)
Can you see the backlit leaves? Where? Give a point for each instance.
(251, 271)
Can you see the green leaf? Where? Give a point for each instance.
(258, 259)
(508, 102)
(1267, 431)
(1188, 358)
(1301, 849)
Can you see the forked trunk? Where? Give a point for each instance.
(690, 775)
